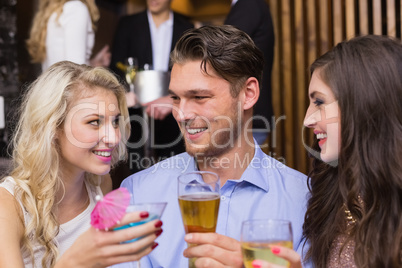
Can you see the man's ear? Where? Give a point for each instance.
(251, 93)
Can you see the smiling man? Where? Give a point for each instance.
(215, 82)
(208, 124)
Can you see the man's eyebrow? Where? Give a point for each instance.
(192, 92)
(198, 91)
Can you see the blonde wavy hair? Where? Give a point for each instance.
(36, 153)
(36, 44)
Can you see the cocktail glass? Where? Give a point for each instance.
(155, 211)
(199, 198)
(258, 236)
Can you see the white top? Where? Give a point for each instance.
(71, 37)
(161, 39)
(69, 231)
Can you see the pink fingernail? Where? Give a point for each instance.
(256, 264)
(275, 250)
(155, 245)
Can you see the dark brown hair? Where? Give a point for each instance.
(365, 77)
(229, 51)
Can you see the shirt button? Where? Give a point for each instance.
(223, 198)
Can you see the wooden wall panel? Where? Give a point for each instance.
(350, 18)
(363, 17)
(391, 18)
(317, 26)
(377, 21)
(337, 21)
(324, 23)
(300, 75)
(276, 141)
(287, 82)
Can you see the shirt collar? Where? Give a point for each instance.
(255, 173)
(169, 22)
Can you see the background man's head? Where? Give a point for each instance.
(158, 6)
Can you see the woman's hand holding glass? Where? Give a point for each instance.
(286, 253)
(266, 239)
(105, 248)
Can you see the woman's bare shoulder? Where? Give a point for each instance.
(11, 231)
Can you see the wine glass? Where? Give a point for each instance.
(131, 70)
(155, 211)
(199, 198)
(258, 236)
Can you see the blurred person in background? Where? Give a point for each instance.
(150, 36)
(254, 18)
(65, 30)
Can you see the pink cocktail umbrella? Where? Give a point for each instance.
(110, 209)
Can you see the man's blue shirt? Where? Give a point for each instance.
(266, 189)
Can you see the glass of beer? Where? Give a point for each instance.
(199, 200)
(258, 236)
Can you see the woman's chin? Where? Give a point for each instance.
(329, 158)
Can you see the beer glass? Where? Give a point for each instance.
(199, 199)
(258, 236)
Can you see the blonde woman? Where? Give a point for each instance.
(65, 30)
(72, 129)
